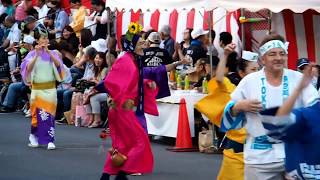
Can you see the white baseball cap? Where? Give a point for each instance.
(250, 56)
(100, 45)
(28, 39)
(154, 37)
(198, 32)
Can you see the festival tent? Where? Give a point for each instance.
(301, 30)
(297, 6)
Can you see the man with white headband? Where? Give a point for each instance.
(269, 87)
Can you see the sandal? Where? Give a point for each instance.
(95, 124)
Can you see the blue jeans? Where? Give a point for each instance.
(67, 97)
(76, 74)
(14, 91)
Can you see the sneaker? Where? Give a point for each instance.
(51, 146)
(136, 174)
(33, 141)
(25, 110)
(28, 114)
(62, 121)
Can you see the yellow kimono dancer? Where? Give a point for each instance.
(213, 105)
(41, 69)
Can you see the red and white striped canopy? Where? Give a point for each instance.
(302, 31)
(297, 6)
(180, 20)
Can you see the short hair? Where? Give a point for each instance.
(225, 38)
(232, 62)
(243, 64)
(166, 30)
(215, 61)
(270, 37)
(10, 19)
(33, 12)
(91, 52)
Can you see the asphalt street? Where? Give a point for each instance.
(80, 155)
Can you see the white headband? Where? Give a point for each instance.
(273, 44)
(250, 56)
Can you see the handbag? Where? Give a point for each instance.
(117, 159)
(88, 94)
(83, 84)
(206, 140)
(82, 114)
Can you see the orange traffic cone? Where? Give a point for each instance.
(183, 140)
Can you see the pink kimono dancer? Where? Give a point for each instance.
(127, 134)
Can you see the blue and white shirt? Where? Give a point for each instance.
(301, 133)
(259, 149)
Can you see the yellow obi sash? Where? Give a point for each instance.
(42, 86)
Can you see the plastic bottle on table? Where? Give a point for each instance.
(179, 84)
(205, 86)
(186, 83)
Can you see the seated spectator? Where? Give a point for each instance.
(70, 37)
(78, 17)
(21, 10)
(11, 41)
(155, 56)
(33, 12)
(32, 24)
(88, 75)
(42, 10)
(14, 92)
(2, 9)
(198, 47)
(22, 51)
(62, 87)
(93, 108)
(69, 46)
(85, 43)
(100, 45)
(180, 49)
(61, 19)
(197, 73)
(167, 40)
(101, 17)
(49, 19)
(10, 9)
(2, 28)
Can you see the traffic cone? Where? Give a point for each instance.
(183, 140)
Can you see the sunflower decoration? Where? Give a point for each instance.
(133, 29)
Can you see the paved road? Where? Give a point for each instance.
(79, 156)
